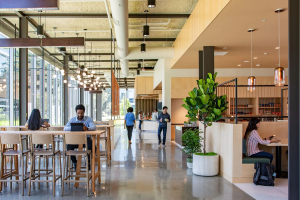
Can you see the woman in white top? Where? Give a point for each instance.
(140, 118)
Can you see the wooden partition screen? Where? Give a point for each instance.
(146, 106)
(115, 98)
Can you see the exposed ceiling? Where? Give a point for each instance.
(229, 30)
(98, 28)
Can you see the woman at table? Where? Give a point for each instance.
(35, 122)
(129, 122)
(252, 139)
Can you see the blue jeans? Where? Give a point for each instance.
(164, 132)
(140, 125)
(263, 154)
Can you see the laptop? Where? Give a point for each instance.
(46, 120)
(76, 126)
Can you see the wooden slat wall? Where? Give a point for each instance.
(203, 14)
(115, 92)
(145, 105)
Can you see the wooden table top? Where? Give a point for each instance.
(97, 132)
(282, 143)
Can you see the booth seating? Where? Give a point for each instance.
(251, 160)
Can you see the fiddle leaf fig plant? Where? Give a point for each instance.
(191, 142)
(204, 105)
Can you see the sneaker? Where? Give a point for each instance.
(163, 145)
(159, 143)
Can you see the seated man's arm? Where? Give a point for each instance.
(68, 126)
(92, 126)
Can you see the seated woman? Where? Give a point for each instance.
(35, 122)
(252, 139)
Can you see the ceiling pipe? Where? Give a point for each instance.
(152, 53)
(119, 9)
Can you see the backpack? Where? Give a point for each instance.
(264, 174)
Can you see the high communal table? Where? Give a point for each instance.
(95, 135)
(283, 143)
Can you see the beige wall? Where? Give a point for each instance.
(177, 115)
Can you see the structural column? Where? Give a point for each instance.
(208, 61)
(294, 99)
(23, 75)
(91, 105)
(81, 96)
(201, 65)
(66, 90)
(99, 107)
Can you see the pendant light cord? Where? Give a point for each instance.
(279, 36)
(251, 52)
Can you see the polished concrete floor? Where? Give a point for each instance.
(142, 171)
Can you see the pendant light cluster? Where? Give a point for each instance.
(251, 79)
(279, 76)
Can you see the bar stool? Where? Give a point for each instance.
(74, 139)
(14, 139)
(105, 144)
(44, 139)
(57, 138)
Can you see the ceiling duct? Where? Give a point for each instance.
(119, 9)
(124, 67)
(152, 53)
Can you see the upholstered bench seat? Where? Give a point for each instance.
(251, 160)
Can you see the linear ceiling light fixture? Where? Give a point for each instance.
(146, 27)
(151, 4)
(251, 79)
(279, 72)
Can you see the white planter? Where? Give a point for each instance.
(189, 163)
(206, 165)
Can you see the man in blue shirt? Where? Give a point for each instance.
(88, 125)
(163, 119)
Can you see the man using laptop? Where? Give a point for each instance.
(88, 125)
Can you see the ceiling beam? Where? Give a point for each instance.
(136, 60)
(94, 15)
(83, 54)
(29, 4)
(108, 68)
(132, 39)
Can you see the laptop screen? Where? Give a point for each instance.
(76, 126)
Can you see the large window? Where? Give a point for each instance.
(106, 104)
(9, 82)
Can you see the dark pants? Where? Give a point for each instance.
(129, 132)
(164, 132)
(263, 154)
(140, 125)
(75, 146)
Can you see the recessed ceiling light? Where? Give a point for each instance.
(239, 65)
(265, 53)
(258, 65)
(255, 58)
(246, 61)
(264, 20)
(277, 48)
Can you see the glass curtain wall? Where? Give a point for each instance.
(74, 97)
(9, 95)
(45, 89)
(106, 104)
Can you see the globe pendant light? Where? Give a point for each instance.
(151, 4)
(251, 79)
(146, 27)
(279, 76)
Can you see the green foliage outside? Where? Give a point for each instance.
(204, 105)
(127, 105)
(191, 142)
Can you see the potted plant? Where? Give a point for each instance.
(191, 144)
(204, 105)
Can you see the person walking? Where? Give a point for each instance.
(140, 119)
(129, 123)
(163, 119)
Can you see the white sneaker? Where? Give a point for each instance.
(163, 145)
